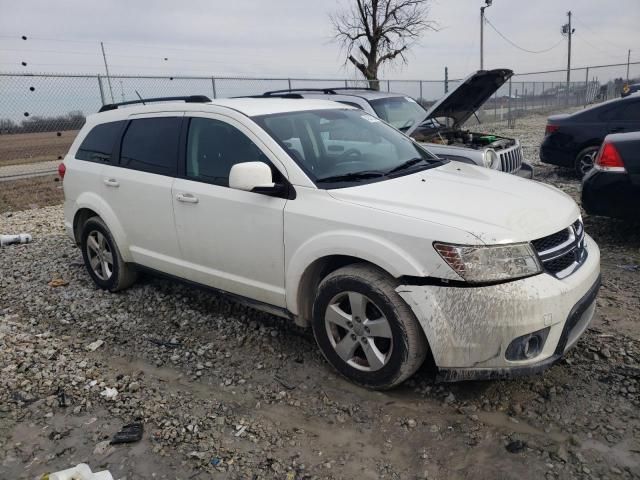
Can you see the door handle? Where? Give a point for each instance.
(111, 182)
(187, 198)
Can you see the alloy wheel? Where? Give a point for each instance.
(358, 331)
(100, 255)
(587, 161)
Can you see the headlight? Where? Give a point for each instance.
(490, 158)
(493, 263)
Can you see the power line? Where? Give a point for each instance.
(518, 46)
(598, 35)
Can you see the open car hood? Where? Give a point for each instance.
(466, 98)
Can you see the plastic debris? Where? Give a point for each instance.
(109, 393)
(516, 446)
(92, 347)
(10, 239)
(215, 461)
(62, 398)
(130, 433)
(79, 472)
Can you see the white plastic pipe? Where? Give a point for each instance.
(9, 239)
(80, 472)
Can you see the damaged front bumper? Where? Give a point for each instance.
(469, 328)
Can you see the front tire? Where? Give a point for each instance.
(585, 160)
(365, 330)
(102, 257)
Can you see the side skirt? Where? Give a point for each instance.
(249, 302)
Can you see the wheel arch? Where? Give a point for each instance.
(313, 262)
(90, 205)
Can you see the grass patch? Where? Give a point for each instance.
(28, 193)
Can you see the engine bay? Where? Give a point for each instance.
(463, 138)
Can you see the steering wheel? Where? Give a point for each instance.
(351, 155)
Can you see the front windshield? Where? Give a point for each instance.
(401, 112)
(337, 147)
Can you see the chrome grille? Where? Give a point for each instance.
(563, 252)
(511, 159)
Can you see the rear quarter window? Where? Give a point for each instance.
(151, 145)
(100, 142)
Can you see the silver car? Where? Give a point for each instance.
(441, 127)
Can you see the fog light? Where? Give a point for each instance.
(527, 346)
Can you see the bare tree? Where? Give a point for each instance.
(375, 32)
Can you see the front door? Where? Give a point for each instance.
(230, 239)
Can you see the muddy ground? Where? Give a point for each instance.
(225, 392)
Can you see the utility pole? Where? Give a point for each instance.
(488, 4)
(628, 59)
(567, 30)
(106, 67)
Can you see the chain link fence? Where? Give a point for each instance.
(41, 113)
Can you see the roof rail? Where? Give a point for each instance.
(321, 90)
(144, 101)
(273, 95)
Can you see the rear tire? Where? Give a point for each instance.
(102, 257)
(585, 160)
(365, 330)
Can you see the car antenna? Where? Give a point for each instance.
(140, 97)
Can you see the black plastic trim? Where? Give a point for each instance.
(144, 101)
(283, 312)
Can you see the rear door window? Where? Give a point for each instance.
(631, 113)
(151, 145)
(98, 145)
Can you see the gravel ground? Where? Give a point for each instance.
(230, 393)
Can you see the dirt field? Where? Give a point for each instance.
(30, 193)
(226, 392)
(22, 148)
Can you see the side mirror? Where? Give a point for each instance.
(252, 177)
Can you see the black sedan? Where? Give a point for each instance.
(612, 187)
(573, 140)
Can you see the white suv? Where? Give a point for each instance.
(325, 215)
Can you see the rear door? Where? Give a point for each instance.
(230, 239)
(138, 189)
(626, 117)
(85, 169)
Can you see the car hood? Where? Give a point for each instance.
(493, 206)
(465, 99)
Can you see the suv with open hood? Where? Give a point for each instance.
(325, 215)
(442, 126)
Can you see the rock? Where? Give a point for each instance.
(411, 423)
(109, 393)
(92, 347)
(134, 387)
(561, 453)
(101, 448)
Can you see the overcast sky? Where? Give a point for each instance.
(294, 38)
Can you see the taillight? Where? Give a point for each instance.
(609, 159)
(62, 170)
(549, 129)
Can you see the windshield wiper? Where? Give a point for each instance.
(347, 177)
(407, 164)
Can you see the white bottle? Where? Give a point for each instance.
(80, 472)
